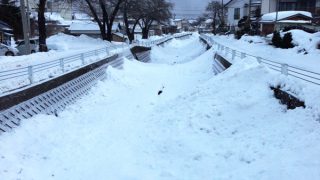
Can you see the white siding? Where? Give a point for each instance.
(268, 6)
(231, 7)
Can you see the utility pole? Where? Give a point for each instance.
(28, 16)
(222, 12)
(277, 12)
(25, 27)
(249, 14)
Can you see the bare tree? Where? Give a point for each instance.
(154, 10)
(42, 26)
(131, 10)
(215, 10)
(104, 13)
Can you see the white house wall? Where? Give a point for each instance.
(243, 11)
(268, 6)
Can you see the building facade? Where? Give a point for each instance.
(312, 6)
(237, 9)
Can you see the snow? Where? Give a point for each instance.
(259, 46)
(202, 126)
(88, 26)
(60, 45)
(283, 15)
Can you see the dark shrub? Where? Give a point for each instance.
(238, 34)
(287, 41)
(276, 39)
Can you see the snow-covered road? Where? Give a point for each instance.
(202, 126)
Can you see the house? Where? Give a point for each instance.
(312, 6)
(91, 28)
(237, 9)
(178, 23)
(282, 19)
(5, 33)
(206, 26)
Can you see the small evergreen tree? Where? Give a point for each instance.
(276, 39)
(287, 41)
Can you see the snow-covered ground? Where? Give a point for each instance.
(14, 70)
(202, 126)
(259, 46)
(60, 45)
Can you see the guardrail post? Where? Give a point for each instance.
(243, 55)
(62, 65)
(233, 54)
(259, 59)
(30, 74)
(82, 59)
(227, 50)
(284, 69)
(108, 52)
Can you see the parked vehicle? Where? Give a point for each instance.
(7, 50)
(34, 45)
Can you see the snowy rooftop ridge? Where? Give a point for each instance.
(283, 15)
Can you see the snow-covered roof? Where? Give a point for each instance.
(271, 17)
(82, 16)
(88, 26)
(295, 21)
(208, 21)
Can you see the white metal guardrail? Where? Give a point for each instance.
(285, 69)
(162, 40)
(14, 79)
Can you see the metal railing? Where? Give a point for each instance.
(15, 79)
(162, 40)
(285, 69)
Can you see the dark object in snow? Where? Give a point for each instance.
(238, 34)
(285, 98)
(56, 113)
(160, 91)
(318, 46)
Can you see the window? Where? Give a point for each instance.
(236, 13)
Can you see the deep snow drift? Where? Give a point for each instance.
(202, 126)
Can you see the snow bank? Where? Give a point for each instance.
(178, 51)
(201, 127)
(63, 42)
(259, 46)
(61, 45)
(305, 40)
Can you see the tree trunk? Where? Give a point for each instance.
(109, 32)
(126, 23)
(42, 26)
(214, 24)
(145, 33)
(103, 34)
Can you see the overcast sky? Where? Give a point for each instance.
(189, 8)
